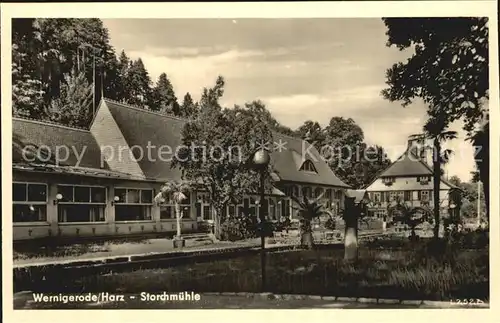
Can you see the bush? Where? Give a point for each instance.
(478, 239)
(331, 224)
(239, 227)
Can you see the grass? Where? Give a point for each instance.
(408, 274)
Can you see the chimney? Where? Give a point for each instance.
(421, 148)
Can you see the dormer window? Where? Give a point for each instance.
(424, 179)
(308, 166)
(388, 180)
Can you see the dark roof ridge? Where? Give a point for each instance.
(132, 107)
(288, 136)
(50, 123)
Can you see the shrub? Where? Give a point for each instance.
(239, 227)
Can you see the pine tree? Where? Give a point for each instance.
(140, 85)
(189, 107)
(123, 75)
(74, 105)
(163, 97)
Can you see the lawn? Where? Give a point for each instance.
(409, 273)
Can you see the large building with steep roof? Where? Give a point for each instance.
(408, 179)
(74, 182)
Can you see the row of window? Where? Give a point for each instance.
(420, 179)
(79, 203)
(307, 191)
(401, 195)
(88, 204)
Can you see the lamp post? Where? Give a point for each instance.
(261, 161)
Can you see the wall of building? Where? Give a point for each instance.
(52, 226)
(412, 186)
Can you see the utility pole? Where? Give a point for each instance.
(478, 202)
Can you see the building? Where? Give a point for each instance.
(74, 182)
(408, 179)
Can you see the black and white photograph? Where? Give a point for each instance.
(234, 162)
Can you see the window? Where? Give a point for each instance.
(424, 195)
(134, 204)
(328, 194)
(392, 196)
(29, 202)
(424, 179)
(407, 196)
(376, 197)
(338, 194)
(167, 208)
(81, 203)
(271, 209)
(308, 166)
(318, 191)
(307, 191)
(388, 180)
(295, 190)
(400, 195)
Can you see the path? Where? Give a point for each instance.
(107, 250)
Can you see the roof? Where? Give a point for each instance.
(49, 143)
(142, 127)
(73, 170)
(359, 195)
(409, 165)
(287, 162)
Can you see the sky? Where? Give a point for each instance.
(302, 69)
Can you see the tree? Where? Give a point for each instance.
(312, 132)
(351, 214)
(163, 97)
(352, 160)
(189, 108)
(448, 71)
(175, 192)
(410, 216)
(308, 210)
(27, 87)
(123, 93)
(220, 143)
(45, 51)
(73, 106)
(435, 129)
(139, 84)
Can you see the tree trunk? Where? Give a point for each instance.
(482, 141)
(351, 216)
(351, 243)
(436, 169)
(178, 219)
(306, 236)
(216, 219)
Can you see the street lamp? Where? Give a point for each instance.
(261, 160)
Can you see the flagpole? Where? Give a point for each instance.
(93, 82)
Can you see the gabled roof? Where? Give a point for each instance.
(36, 136)
(142, 127)
(287, 163)
(359, 195)
(408, 165)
